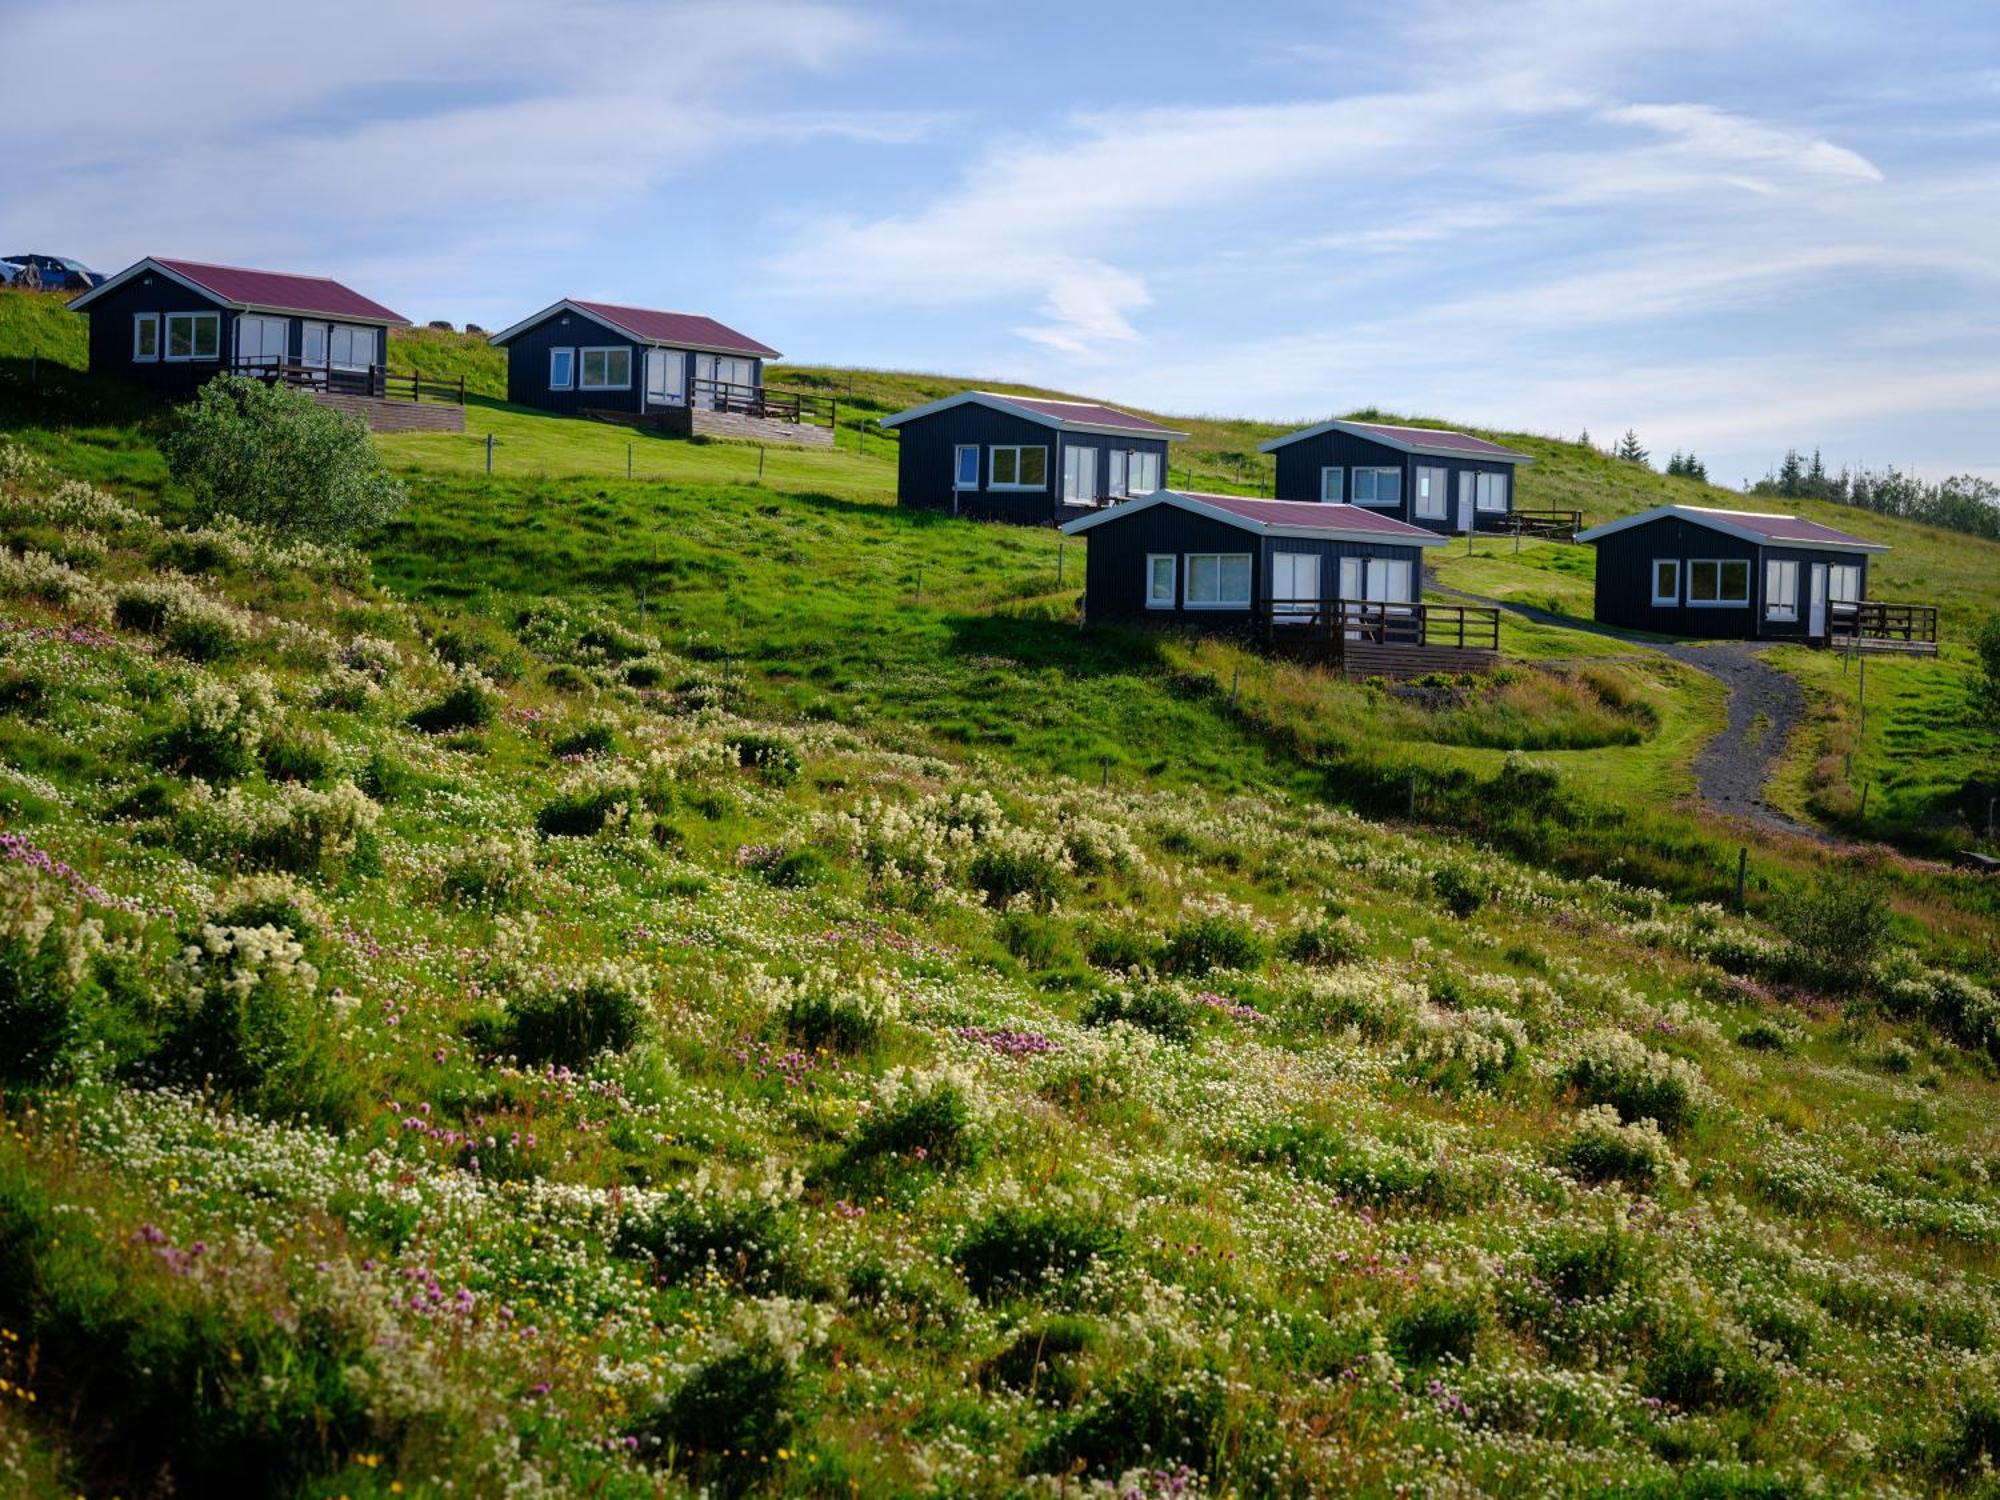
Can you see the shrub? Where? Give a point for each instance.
(1439, 1325)
(275, 457)
(1143, 1419)
(744, 1242)
(796, 869)
(1044, 1361)
(298, 829)
(188, 622)
(773, 758)
(1613, 1068)
(1971, 1446)
(725, 1425)
(586, 739)
(1458, 891)
(1836, 926)
(842, 1023)
(1764, 1036)
(570, 1020)
(924, 1117)
(1008, 867)
(1457, 1049)
(293, 752)
(1119, 948)
(250, 1022)
(220, 730)
(1162, 1012)
(1017, 1250)
(1325, 943)
(1202, 944)
(587, 805)
(36, 575)
(1987, 692)
(1604, 1149)
(470, 703)
(1695, 1366)
(44, 980)
(493, 872)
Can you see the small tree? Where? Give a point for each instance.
(1630, 449)
(273, 456)
(1986, 692)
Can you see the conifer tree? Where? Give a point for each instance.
(1630, 449)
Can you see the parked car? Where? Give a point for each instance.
(51, 273)
(11, 272)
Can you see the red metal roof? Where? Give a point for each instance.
(1435, 437)
(685, 330)
(1083, 411)
(1783, 528)
(1329, 517)
(281, 291)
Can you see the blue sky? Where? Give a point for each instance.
(1730, 226)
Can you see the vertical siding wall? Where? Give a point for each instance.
(1299, 465)
(111, 334)
(926, 453)
(1625, 582)
(528, 366)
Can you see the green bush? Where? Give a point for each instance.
(1836, 925)
(1199, 945)
(1613, 1068)
(1020, 1250)
(583, 811)
(838, 1023)
(1458, 891)
(250, 1022)
(569, 1021)
(1698, 1368)
(1323, 943)
(219, 733)
(45, 985)
(1044, 1361)
(275, 457)
(1005, 870)
(1436, 1327)
(1119, 948)
(746, 1243)
(1143, 1419)
(929, 1121)
(587, 739)
(1161, 1012)
(725, 1425)
(772, 757)
(469, 704)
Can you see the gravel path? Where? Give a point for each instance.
(1765, 706)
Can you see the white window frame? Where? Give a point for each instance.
(1219, 559)
(1835, 574)
(1781, 601)
(308, 356)
(1430, 487)
(1376, 589)
(1490, 492)
(1017, 450)
(352, 334)
(1672, 600)
(193, 320)
(568, 358)
(1375, 472)
(259, 324)
(145, 320)
(1079, 474)
(1332, 484)
(1117, 481)
(1294, 605)
(1718, 563)
(1142, 472)
(583, 380)
(1173, 562)
(958, 479)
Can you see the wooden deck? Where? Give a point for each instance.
(1874, 625)
(1366, 638)
(1554, 525)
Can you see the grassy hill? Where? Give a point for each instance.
(636, 985)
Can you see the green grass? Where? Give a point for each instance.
(440, 354)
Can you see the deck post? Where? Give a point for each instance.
(1742, 873)
(489, 453)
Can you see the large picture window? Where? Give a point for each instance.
(605, 369)
(1431, 488)
(1781, 589)
(145, 337)
(1667, 581)
(1019, 468)
(194, 335)
(1218, 580)
(1718, 583)
(1492, 492)
(1161, 571)
(1378, 486)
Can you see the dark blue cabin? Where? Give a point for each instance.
(598, 357)
(1446, 482)
(174, 324)
(1025, 459)
(1729, 575)
(1224, 562)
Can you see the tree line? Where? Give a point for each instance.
(1964, 502)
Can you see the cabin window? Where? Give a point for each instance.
(1162, 570)
(1388, 581)
(605, 369)
(312, 343)
(1080, 476)
(261, 342)
(194, 335)
(1218, 580)
(1843, 583)
(1117, 484)
(351, 348)
(562, 369)
(1295, 584)
(1718, 583)
(1492, 492)
(1378, 486)
(1019, 468)
(1781, 590)
(145, 337)
(1432, 485)
(1332, 484)
(1667, 581)
(965, 467)
(1144, 475)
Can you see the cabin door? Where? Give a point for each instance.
(1465, 498)
(1816, 621)
(1294, 585)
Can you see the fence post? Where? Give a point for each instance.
(489, 453)
(628, 460)
(1413, 795)
(1103, 771)
(1235, 682)
(760, 462)
(1742, 872)
(920, 585)
(1059, 564)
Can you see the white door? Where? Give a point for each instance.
(261, 342)
(1294, 584)
(1816, 626)
(1465, 499)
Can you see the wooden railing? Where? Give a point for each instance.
(377, 380)
(1558, 525)
(776, 404)
(1906, 627)
(1462, 627)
